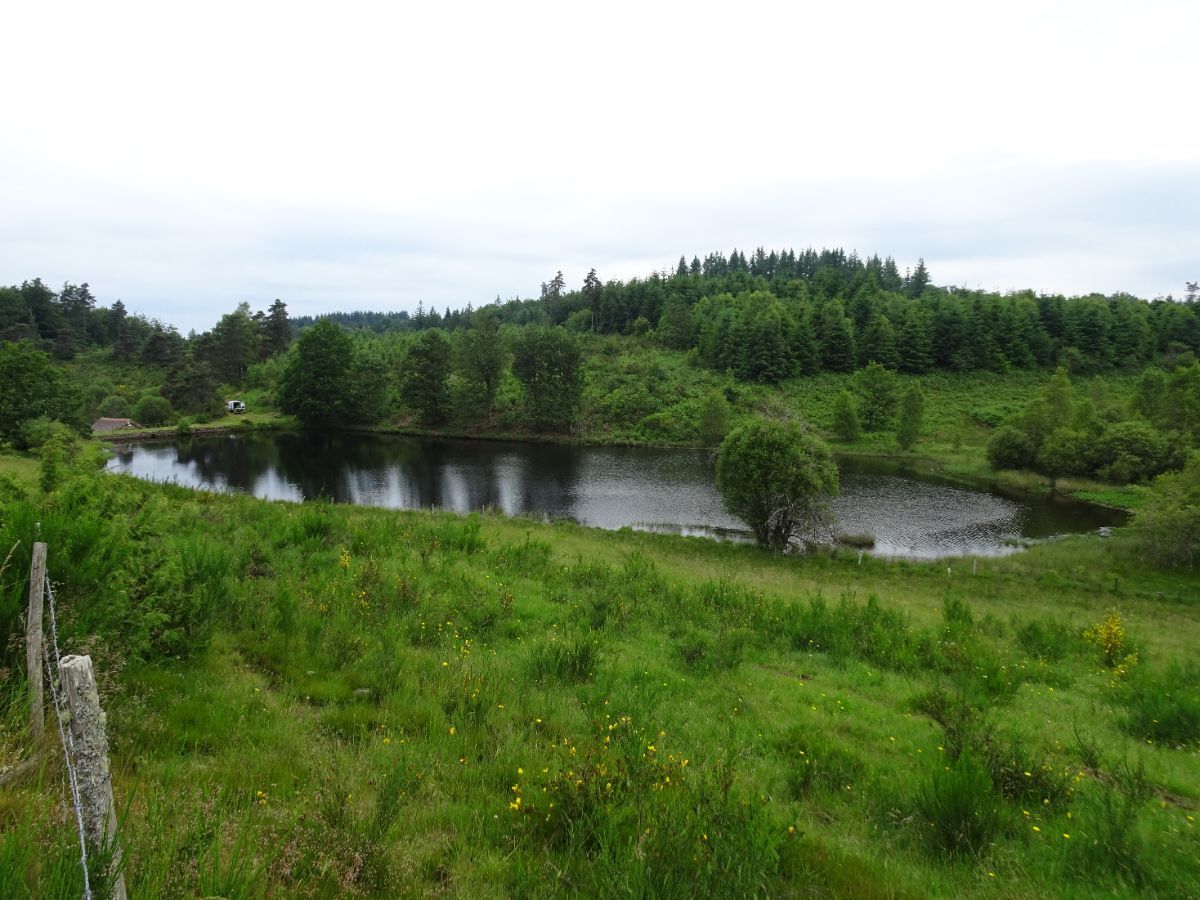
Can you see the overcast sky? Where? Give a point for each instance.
(186, 157)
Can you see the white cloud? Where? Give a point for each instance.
(371, 155)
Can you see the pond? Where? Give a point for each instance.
(911, 513)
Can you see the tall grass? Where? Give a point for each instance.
(311, 700)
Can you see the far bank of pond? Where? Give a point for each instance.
(910, 512)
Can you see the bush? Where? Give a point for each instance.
(1010, 448)
(114, 406)
(153, 410)
(845, 417)
(775, 477)
(714, 418)
(1167, 526)
(1130, 452)
(35, 433)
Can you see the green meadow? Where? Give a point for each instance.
(316, 700)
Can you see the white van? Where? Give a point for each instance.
(235, 406)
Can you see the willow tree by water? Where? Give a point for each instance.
(777, 478)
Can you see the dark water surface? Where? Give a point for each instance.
(910, 513)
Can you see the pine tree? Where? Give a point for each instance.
(879, 344)
(916, 341)
(591, 292)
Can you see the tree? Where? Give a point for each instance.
(276, 331)
(876, 389)
(591, 293)
(918, 280)
(1064, 452)
(846, 425)
(912, 413)
(423, 375)
(547, 360)
(153, 410)
(235, 345)
(482, 355)
(1130, 452)
(31, 386)
(1168, 524)
(316, 384)
(714, 418)
(1010, 448)
(835, 336)
(878, 344)
(776, 477)
(191, 387)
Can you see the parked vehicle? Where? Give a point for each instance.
(235, 406)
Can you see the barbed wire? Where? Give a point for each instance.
(67, 738)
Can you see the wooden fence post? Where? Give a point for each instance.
(78, 680)
(33, 643)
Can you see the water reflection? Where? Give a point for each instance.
(910, 513)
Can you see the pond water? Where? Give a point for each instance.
(910, 513)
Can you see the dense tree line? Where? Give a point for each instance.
(332, 377)
(769, 316)
(69, 324)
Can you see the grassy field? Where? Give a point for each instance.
(307, 700)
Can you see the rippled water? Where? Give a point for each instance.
(910, 513)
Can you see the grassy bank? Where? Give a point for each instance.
(311, 700)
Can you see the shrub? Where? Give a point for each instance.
(1168, 525)
(153, 410)
(1010, 448)
(845, 417)
(114, 406)
(1130, 452)
(714, 418)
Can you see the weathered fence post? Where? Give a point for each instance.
(78, 680)
(33, 643)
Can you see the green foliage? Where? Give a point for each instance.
(153, 410)
(960, 807)
(876, 388)
(1130, 452)
(481, 355)
(714, 418)
(912, 415)
(423, 375)
(1064, 452)
(776, 476)
(1164, 706)
(32, 386)
(114, 406)
(1168, 524)
(547, 361)
(845, 417)
(324, 381)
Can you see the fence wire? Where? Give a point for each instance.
(66, 736)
